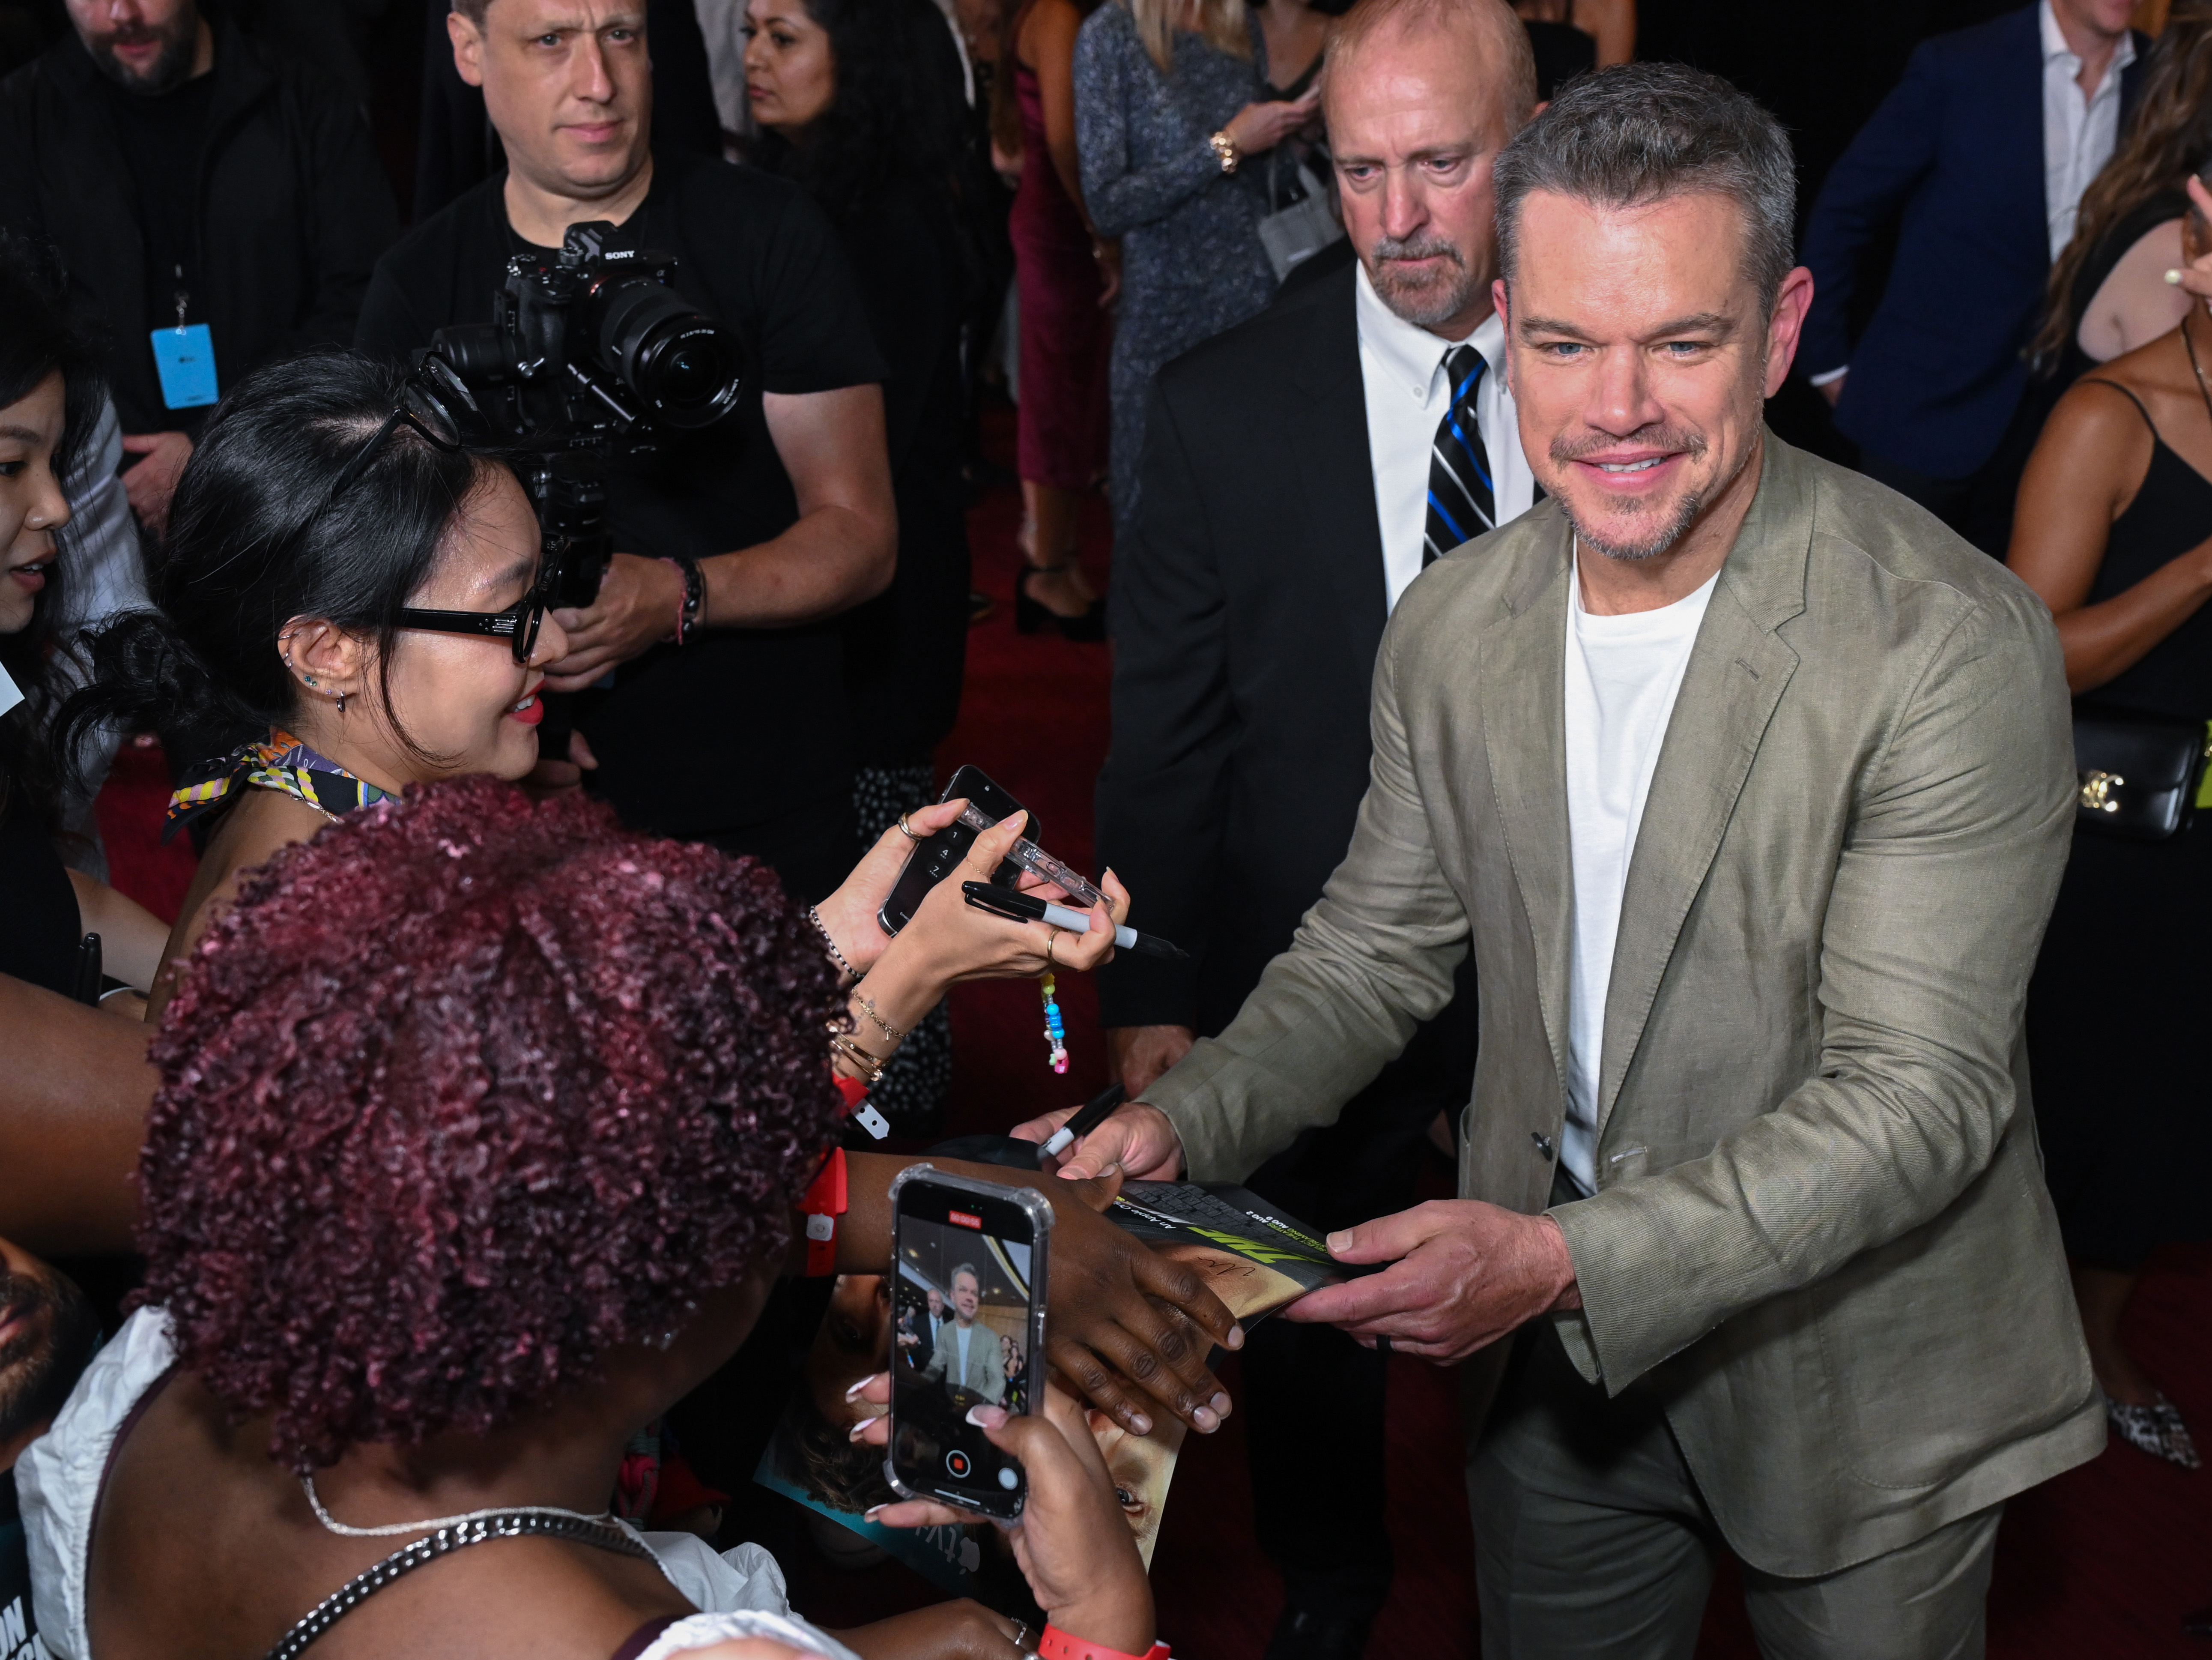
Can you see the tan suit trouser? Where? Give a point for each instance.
(1591, 1542)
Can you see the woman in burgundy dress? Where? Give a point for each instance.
(1066, 330)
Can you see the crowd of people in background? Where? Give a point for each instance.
(1241, 267)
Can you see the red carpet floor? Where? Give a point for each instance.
(2104, 1561)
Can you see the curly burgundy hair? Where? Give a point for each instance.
(465, 1093)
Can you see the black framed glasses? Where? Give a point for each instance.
(518, 624)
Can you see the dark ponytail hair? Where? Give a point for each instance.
(251, 546)
(37, 339)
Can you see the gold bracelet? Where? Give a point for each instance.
(868, 1006)
(1226, 148)
(871, 1066)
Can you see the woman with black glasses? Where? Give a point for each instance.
(351, 602)
(334, 562)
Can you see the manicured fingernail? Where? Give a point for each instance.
(1138, 1424)
(1203, 1420)
(871, 1514)
(861, 1428)
(984, 1416)
(1237, 1337)
(1220, 1405)
(1337, 1242)
(1069, 1173)
(2173, 276)
(857, 1387)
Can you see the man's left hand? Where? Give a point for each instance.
(634, 611)
(1463, 1275)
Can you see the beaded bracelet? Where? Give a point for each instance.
(814, 915)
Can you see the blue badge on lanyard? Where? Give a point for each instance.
(184, 356)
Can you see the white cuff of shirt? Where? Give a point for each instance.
(1833, 374)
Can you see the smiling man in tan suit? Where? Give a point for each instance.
(1750, 784)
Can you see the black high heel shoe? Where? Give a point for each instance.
(1033, 616)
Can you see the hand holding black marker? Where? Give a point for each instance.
(1020, 907)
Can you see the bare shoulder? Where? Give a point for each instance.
(2135, 304)
(263, 822)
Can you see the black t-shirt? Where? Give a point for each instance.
(162, 135)
(740, 725)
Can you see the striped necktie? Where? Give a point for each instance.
(1462, 501)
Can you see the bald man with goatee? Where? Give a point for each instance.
(1299, 473)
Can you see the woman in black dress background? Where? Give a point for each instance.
(2114, 531)
(861, 103)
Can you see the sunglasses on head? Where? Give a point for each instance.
(429, 404)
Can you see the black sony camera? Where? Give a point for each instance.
(590, 356)
(597, 344)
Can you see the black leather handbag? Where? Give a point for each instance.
(2139, 774)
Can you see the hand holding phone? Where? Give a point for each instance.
(938, 855)
(981, 1247)
(1075, 1546)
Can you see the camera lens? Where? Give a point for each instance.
(681, 365)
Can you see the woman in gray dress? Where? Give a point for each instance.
(1167, 101)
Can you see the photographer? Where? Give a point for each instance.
(740, 736)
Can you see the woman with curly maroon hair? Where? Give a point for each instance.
(479, 1133)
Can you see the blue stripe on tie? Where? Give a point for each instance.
(1473, 375)
(1473, 460)
(1437, 509)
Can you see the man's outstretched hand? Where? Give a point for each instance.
(1463, 1275)
(1138, 1141)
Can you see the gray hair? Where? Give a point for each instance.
(1639, 132)
(968, 1268)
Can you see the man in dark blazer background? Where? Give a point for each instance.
(1979, 158)
(1289, 495)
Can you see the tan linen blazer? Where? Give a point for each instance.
(1821, 1233)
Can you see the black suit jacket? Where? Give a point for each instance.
(1247, 606)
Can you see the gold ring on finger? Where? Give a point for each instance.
(1049, 939)
(907, 831)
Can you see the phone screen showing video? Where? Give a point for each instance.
(960, 1338)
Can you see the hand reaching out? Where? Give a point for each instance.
(1138, 1139)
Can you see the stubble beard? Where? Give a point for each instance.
(1423, 302)
(179, 45)
(1655, 542)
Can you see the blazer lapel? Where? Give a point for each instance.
(1334, 471)
(1524, 736)
(1736, 677)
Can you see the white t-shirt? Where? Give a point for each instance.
(1622, 673)
(960, 1336)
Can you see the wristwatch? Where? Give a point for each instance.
(1226, 148)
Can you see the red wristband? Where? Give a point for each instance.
(1057, 1644)
(822, 1204)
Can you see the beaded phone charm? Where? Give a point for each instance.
(1055, 1030)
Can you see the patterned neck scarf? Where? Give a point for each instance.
(279, 762)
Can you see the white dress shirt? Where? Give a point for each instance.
(2079, 132)
(1402, 366)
